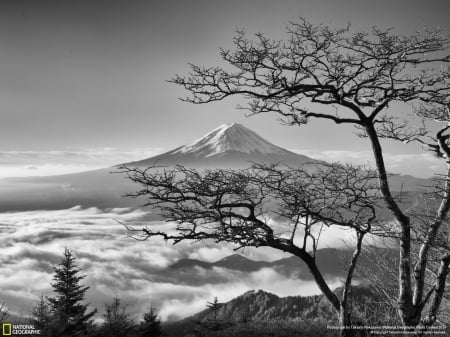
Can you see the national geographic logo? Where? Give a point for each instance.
(9, 329)
(6, 329)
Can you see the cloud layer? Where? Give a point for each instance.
(37, 163)
(32, 243)
(422, 165)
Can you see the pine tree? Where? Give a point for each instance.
(214, 321)
(118, 323)
(70, 316)
(151, 326)
(214, 307)
(41, 316)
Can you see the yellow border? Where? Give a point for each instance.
(4, 329)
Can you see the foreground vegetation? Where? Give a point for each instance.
(65, 314)
(255, 313)
(275, 328)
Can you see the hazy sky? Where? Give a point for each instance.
(91, 75)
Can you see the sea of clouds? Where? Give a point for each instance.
(116, 265)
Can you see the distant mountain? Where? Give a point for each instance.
(230, 146)
(333, 264)
(329, 261)
(235, 146)
(232, 262)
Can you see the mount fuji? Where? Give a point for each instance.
(229, 145)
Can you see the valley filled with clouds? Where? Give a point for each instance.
(116, 265)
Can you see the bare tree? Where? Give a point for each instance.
(378, 270)
(352, 78)
(238, 206)
(381, 273)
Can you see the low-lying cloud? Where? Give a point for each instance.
(42, 163)
(138, 272)
(422, 165)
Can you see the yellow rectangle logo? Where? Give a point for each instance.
(7, 329)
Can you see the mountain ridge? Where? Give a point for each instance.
(258, 309)
(328, 260)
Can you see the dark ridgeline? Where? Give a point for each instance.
(263, 314)
(329, 261)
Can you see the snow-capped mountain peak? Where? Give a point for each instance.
(228, 146)
(230, 137)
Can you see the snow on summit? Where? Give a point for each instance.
(228, 146)
(230, 137)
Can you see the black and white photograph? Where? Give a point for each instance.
(247, 168)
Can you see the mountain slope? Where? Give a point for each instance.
(262, 305)
(229, 146)
(230, 137)
(259, 308)
(235, 146)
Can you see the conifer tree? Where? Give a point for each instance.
(118, 323)
(151, 325)
(214, 307)
(70, 316)
(214, 322)
(41, 316)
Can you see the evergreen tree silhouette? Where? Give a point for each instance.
(151, 325)
(118, 323)
(214, 321)
(70, 316)
(41, 316)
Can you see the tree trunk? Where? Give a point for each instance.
(312, 266)
(439, 289)
(345, 321)
(406, 310)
